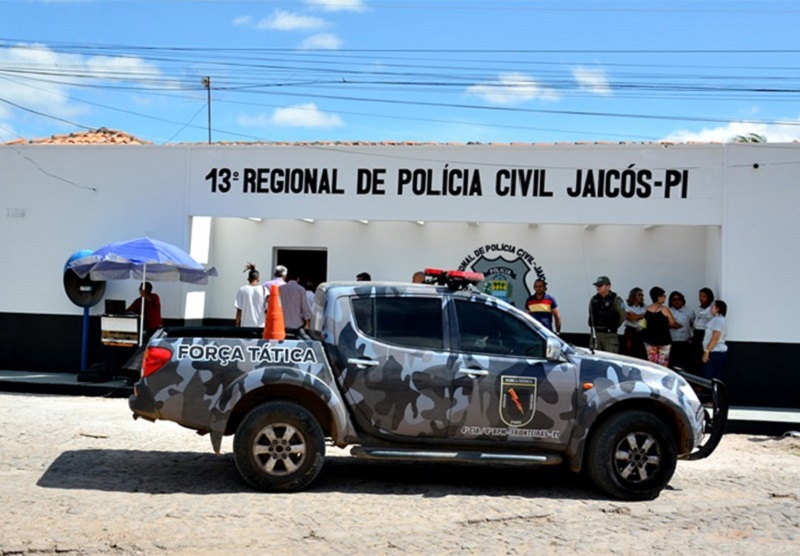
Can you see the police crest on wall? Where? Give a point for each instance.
(505, 268)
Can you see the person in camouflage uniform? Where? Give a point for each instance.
(606, 315)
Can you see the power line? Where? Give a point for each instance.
(44, 115)
(188, 124)
(296, 75)
(538, 110)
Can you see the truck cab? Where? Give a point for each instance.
(429, 364)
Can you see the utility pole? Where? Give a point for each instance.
(207, 85)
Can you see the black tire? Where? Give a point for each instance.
(279, 447)
(632, 456)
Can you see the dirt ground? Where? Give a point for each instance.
(80, 476)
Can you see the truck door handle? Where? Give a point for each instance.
(362, 362)
(473, 373)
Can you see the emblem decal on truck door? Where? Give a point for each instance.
(517, 400)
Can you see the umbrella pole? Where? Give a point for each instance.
(144, 299)
(85, 339)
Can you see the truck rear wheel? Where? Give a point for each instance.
(279, 446)
(632, 456)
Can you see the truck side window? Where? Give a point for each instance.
(485, 329)
(409, 322)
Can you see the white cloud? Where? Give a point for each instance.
(338, 5)
(286, 21)
(775, 133)
(321, 41)
(142, 101)
(121, 68)
(53, 98)
(300, 115)
(511, 88)
(591, 79)
(243, 21)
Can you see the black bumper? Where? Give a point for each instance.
(714, 396)
(142, 403)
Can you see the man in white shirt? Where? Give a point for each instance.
(250, 303)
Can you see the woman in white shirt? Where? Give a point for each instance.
(680, 355)
(703, 315)
(714, 349)
(634, 313)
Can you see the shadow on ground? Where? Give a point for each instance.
(156, 472)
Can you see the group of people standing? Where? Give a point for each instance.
(665, 331)
(668, 333)
(252, 299)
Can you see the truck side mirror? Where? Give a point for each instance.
(553, 350)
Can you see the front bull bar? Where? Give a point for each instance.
(714, 393)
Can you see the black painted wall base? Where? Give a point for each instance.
(758, 374)
(53, 343)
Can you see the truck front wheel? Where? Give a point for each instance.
(279, 446)
(632, 456)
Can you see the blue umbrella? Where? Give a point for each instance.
(143, 259)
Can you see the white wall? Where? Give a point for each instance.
(219, 184)
(735, 232)
(56, 200)
(571, 256)
(761, 231)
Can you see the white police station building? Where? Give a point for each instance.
(680, 216)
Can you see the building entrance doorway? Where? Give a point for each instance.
(311, 265)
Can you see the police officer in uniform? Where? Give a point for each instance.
(606, 315)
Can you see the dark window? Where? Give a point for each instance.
(485, 329)
(364, 313)
(404, 321)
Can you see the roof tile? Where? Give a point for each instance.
(99, 136)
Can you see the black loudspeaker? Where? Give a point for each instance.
(83, 292)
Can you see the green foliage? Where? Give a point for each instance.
(749, 138)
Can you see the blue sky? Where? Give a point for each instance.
(401, 70)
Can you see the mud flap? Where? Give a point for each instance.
(216, 441)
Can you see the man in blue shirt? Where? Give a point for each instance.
(543, 307)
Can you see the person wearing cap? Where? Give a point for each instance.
(606, 315)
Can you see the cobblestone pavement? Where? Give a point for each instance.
(79, 476)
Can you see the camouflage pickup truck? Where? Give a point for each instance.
(427, 372)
